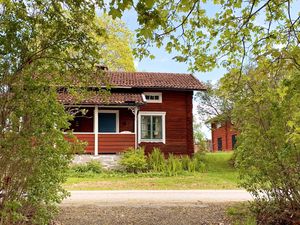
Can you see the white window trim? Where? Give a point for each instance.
(149, 113)
(152, 93)
(117, 120)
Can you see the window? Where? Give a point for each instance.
(233, 140)
(83, 120)
(153, 97)
(152, 127)
(108, 121)
(219, 144)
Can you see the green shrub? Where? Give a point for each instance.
(92, 166)
(173, 166)
(232, 161)
(199, 156)
(185, 161)
(192, 165)
(134, 160)
(156, 160)
(199, 160)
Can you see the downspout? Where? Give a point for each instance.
(136, 126)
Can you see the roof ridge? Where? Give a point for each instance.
(151, 72)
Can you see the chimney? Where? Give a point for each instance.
(102, 67)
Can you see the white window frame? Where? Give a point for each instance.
(159, 94)
(149, 113)
(218, 125)
(117, 120)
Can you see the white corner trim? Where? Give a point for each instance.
(152, 113)
(96, 114)
(159, 94)
(117, 118)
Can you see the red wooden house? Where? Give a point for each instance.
(223, 135)
(144, 109)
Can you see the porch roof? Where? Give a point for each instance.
(98, 99)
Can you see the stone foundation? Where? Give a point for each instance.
(108, 161)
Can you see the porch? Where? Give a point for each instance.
(106, 129)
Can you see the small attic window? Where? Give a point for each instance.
(153, 97)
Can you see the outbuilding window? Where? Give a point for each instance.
(219, 144)
(152, 127)
(233, 140)
(153, 97)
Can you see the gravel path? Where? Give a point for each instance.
(149, 207)
(146, 214)
(167, 196)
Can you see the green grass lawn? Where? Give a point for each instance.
(219, 175)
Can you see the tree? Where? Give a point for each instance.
(210, 33)
(266, 113)
(116, 45)
(199, 138)
(44, 45)
(211, 104)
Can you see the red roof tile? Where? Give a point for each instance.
(113, 98)
(154, 80)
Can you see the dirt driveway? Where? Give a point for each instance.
(146, 214)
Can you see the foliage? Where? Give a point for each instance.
(199, 138)
(185, 160)
(211, 104)
(116, 45)
(266, 112)
(92, 166)
(156, 160)
(34, 155)
(173, 165)
(207, 34)
(199, 159)
(134, 160)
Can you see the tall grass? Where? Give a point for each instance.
(156, 161)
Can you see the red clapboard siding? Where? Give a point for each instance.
(225, 132)
(179, 122)
(89, 138)
(113, 143)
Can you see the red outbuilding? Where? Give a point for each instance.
(223, 135)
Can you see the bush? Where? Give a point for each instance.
(199, 158)
(156, 160)
(232, 160)
(192, 165)
(134, 160)
(271, 212)
(173, 166)
(92, 166)
(185, 161)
